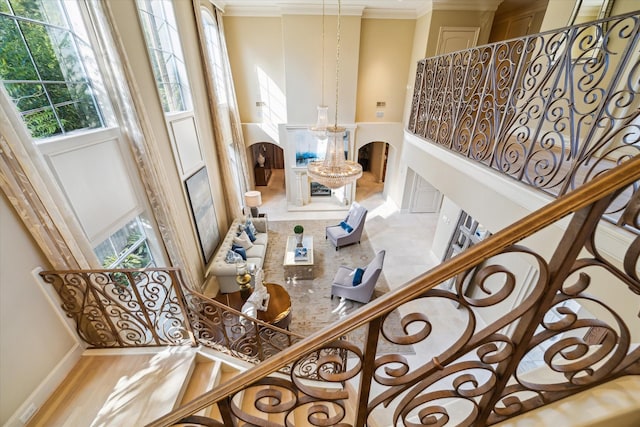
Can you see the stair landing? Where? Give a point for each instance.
(107, 389)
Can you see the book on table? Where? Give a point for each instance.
(301, 254)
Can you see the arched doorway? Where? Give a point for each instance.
(373, 158)
(267, 159)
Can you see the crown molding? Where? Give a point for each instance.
(379, 13)
(264, 8)
(330, 9)
(477, 5)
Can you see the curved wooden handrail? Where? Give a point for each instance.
(623, 175)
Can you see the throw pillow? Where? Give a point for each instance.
(240, 250)
(250, 226)
(232, 257)
(250, 234)
(346, 227)
(243, 240)
(357, 276)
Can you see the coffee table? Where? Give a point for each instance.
(299, 269)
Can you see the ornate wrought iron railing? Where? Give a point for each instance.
(555, 340)
(121, 308)
(551, 110)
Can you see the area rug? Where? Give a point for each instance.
(312, 306)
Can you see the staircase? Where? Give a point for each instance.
(132, 388)
(568, 315)
(116, 388)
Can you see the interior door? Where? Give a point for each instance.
(425, 197)
(452, 39)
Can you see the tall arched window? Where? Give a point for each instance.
(218, 67)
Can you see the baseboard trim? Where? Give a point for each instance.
(48, 386)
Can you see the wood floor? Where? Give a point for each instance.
(130, 389)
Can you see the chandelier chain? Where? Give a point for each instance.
(337, 63)
(322, 71)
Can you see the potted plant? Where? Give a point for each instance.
(298, 230)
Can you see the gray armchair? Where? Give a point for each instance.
(351, 230)
(342, 285)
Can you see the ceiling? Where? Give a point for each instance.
(368, 8)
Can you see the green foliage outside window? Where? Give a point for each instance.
(139, 257)
(42, 71)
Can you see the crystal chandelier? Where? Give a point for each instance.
(335, 170)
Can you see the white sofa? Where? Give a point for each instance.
(225, 272)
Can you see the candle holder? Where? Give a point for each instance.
(243, 279)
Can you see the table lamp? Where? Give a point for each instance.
(253, 199)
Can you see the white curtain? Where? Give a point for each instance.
(28, 184)
(230, 145)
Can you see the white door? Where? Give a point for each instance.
(425, 197)
(452, 39)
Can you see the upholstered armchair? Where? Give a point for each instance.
(343, 286)
(350, 230)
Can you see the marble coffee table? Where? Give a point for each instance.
(300, 269)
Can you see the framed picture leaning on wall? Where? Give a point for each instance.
(204, 214)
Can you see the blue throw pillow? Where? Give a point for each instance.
(240, 250)
(357, 276)
(252, 237)
(250, 226)
(346, 227)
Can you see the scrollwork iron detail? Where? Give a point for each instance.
(551, 110)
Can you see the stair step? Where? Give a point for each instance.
(151, 392)
(205, 376)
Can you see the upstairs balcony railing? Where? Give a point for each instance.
(552, 110)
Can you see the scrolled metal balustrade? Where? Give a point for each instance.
(551, 110)
(120, 308)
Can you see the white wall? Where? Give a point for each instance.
(33, 339)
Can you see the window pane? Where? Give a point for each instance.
(42, 123)
(27, 96)
(42, 51)
(163, 45)
(27, 8)
(74, 106)
(43, 70)
(126, 248)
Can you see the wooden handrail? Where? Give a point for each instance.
(623, 175)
